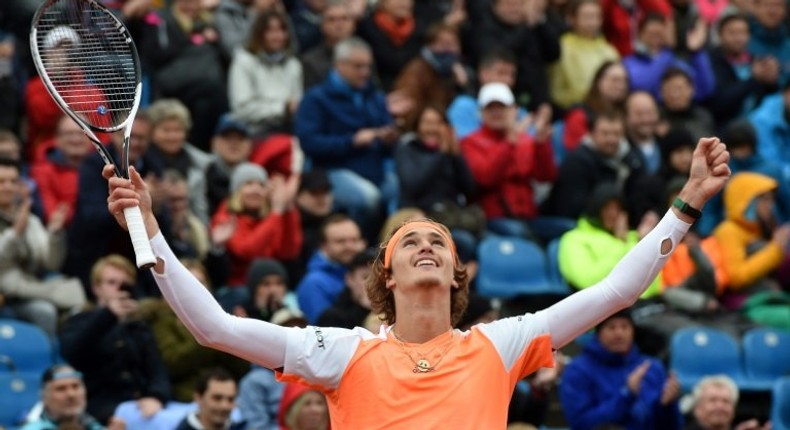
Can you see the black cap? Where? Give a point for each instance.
(315, 181)
(623, 313)
(228, 123)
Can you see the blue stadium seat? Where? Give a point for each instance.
(696, 352)
(766, 357)
(780, 404)
(19, 391)
(26, 345)
(511, 266)
(553, 267)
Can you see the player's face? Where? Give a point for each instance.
(423, 258)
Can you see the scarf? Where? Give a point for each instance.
(397, 31)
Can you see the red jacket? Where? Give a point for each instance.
(620, 25)
(43, 115)
(274, 236)
(57, 183)
(575, 128)
(504, 171)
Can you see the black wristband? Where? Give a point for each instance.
(686, 208)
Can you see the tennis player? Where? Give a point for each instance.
(417, 372)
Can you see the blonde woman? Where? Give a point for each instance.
(267, 223)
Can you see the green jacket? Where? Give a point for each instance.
(588, 253)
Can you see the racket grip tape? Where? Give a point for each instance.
(142, 246)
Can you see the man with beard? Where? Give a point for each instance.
(64, 402)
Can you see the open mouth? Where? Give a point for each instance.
(426, 262)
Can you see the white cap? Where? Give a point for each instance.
(495, 92)
(60, 34)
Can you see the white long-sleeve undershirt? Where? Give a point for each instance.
(265, 344)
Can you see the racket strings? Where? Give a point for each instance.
(89, 60)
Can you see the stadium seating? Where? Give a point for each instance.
(780, 408)
(696, 352)
(18, 393)
(766, 357)
(511, 266)
(26, 346)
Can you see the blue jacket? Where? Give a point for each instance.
(771, 42)
(594, 392)
(645, 72)
(318, 290)
(328, 117)
(259, 399)
(773, 130)
(46, 423)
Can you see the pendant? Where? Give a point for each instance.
(422, 366)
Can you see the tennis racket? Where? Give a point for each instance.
(89, 64)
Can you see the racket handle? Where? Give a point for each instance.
(142, 246)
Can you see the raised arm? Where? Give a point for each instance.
(633, 274)
(253, 340)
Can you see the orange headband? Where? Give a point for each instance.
(408, 228)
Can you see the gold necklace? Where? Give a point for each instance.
(422, 365)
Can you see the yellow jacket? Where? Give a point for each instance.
(571, 76)
(739, 230)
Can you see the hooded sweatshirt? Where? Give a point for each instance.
(741, 230)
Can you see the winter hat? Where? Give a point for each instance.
(246, 172)
(61, 34)
(261, 268)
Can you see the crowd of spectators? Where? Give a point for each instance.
(282, 138)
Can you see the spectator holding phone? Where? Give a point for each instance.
(115, 351)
